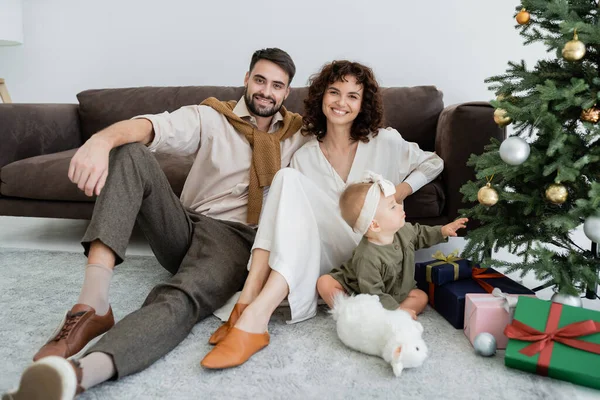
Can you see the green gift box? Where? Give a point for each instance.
(555, 340)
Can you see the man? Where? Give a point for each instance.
(204, 238)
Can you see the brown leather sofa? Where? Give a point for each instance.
(38, 140)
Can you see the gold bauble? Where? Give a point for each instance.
(501, 118)
(487, 195)
(523, 17)
(574, 50)
(557, 193)
(591, 115)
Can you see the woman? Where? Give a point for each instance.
(302, 234)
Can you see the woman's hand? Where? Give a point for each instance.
(403, 190)
(452, 227)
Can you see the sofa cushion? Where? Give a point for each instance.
(413, 111)
(45, 177)
(427, 202)
(103, 107)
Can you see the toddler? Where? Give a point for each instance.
(383, 262)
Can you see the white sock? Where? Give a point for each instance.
(94, 291)
(97, 367)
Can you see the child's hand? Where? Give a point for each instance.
(452, 227)
(412, 313)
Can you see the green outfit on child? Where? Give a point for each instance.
(387, 271)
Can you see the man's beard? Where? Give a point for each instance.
(260, 111)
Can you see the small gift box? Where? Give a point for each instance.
(489, 313)
(443, 269)
(555, 340)
(449, 299)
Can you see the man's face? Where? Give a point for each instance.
(267, 86)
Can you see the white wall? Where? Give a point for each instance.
(73, 45)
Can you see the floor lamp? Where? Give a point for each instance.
(11, 33)
(4, 96)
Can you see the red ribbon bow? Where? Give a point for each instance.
(478, 274)
(543, 342)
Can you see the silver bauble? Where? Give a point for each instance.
(567, 299)
(485, 344)
(591, 228)
(514, 150)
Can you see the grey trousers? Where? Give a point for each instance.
(208, 258)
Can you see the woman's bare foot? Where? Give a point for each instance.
(252, 322)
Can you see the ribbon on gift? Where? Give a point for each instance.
(478, 274)
(443, 259)
(543, 342)
(449, 259)
(431, 294)
(510, 301)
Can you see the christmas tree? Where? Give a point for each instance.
(544, 180)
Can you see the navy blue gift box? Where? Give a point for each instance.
(443, 273)
(449, 299)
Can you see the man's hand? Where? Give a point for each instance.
(89, 166)
(452, 227)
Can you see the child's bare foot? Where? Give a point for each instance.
(412, 313)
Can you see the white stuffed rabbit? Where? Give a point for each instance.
(364, 325)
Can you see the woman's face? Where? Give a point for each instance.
(342, 101)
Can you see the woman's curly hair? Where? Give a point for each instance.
(370, 118)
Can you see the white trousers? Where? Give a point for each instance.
(302, 228)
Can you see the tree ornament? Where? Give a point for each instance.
(591, 115)
(487, 195)
(574, 50)
(567, 299)
(591, 228)
(557, 193)
(501, 118)
(523, 17)
(514, 150)
(485, 344)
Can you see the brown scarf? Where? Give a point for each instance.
(266, 151)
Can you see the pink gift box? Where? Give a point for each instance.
(485, 312)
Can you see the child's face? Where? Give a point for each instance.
(390, 215)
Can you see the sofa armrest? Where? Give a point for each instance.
(462, 130)
(28, 130)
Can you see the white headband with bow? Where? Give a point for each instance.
(367, 213)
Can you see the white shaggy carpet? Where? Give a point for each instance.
(303, 361)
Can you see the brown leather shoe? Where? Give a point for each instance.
(52, 378)
(77, 329)
(223, 330)
(237, 347)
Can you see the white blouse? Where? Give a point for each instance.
(387, 154)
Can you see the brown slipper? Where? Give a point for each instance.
(235, 349)
(223, 330)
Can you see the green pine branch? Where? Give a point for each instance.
(545, 104)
